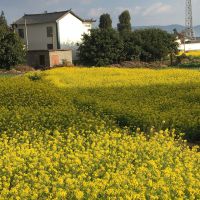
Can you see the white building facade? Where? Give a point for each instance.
(52, 31)
(188, 45)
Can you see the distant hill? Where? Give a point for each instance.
(170, 28)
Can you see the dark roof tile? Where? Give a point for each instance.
(45, 18)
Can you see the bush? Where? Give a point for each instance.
(156, 44)
(35, 77)
(101, 47)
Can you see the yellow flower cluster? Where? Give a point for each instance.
(65, 140)
(136, 97)
(97, 165)
(191, 53)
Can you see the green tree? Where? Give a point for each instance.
(3, 19)
(3, 23)
(105, 21)
(11, 47)
(124, 24)
(101, 47)
(132, 46)
(156, 44)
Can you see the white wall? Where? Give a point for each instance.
(70, 31)
(189, 47)
(37, 36)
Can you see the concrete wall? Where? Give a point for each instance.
(62, 56)
(189, 47)
(70, 31)
(52, 58)
(37, 36)
(33, 58)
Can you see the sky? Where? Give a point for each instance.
(143, 12)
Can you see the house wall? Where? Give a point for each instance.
(189, 47)
(37, 36)
(70, 31)
(59, 57)
(33, 58)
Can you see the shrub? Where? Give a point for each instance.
(101, 47)
(35, 76)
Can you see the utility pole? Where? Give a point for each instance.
(26, 31)
(189, 31)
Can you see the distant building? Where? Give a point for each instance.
(189, 46)
(52, 31)
(185, 44)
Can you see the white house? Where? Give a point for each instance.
(57, 30)
(191, 46)
(188, 45)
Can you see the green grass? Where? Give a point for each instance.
(6, 75)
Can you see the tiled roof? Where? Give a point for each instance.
(46, 18)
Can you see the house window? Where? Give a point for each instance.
(49, 46)
(21, 33)
(49, 31)
(42, 60)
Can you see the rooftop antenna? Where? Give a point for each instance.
(189, 30)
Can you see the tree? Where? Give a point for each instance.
(11, 47)
(124, 24)
(3, 19)
(105, 21)
(156, 44)
(132, 46)
(3, 22)
(102, 47)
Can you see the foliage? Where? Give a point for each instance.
(132, 46)
(156, 44)
(11, 50)
(124, 24)
(191, 53)
(11, 47)
(34, 76)
(106, 46)
(3, 23)
(101, 47)
(105, 21)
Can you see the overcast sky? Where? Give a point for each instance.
(143, 12)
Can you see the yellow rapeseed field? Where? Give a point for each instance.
(171, 96)
(97, 165)
(100, 133)
(191, 53)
